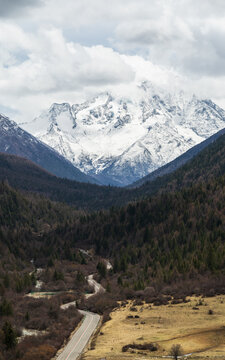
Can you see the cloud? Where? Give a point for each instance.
(15, 7)
(185, 34)
(52, 64)
(51, 67)
(68, 50)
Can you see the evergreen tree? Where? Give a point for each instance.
(9, 335)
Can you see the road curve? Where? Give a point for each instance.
(98, 288)
(80, 339)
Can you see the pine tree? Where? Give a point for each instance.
(9, 335)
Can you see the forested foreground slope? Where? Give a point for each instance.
(165, 237)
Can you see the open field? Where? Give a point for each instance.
(195, 330)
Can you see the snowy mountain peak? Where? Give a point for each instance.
(120, 138)
(9, 127)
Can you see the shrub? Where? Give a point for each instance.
(42, 352)
(150, 347)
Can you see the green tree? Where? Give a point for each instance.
(101, 269)
(6, 308)
(9, 335)
(80, 277)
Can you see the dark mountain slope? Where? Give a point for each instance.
(178, 162)
(25, 175)
(209, 163)
(24, 218)
(19, 210)
(14, 140)
(162, 239)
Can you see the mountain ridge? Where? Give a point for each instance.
(178, 162)
(15, 140)
(120, 139)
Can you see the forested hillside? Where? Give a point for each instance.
(163, 239)
(25, 175)
(23, 221)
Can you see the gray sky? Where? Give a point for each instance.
(67, 50)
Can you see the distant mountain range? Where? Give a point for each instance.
(14, 140)
(120, 139)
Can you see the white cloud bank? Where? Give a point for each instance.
(36, 70)
(174, 43)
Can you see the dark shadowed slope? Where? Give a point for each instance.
(14, 140)
(25, 175)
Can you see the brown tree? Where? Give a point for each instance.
(176, 350)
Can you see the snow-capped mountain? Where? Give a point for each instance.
(14, 140)
(119, 139)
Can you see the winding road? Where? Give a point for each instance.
(80, 339)
(90, 322)
(95, 285)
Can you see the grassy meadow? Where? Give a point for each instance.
(198, 326)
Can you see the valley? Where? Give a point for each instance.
(112, 180)
(163, 282)
(135, 238)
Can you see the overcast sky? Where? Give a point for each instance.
(67, 50)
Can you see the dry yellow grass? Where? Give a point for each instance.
(195, 330)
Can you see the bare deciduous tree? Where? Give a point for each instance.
(176, 350)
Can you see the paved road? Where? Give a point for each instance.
(80, 339)
(95, 285)
(66, 306)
